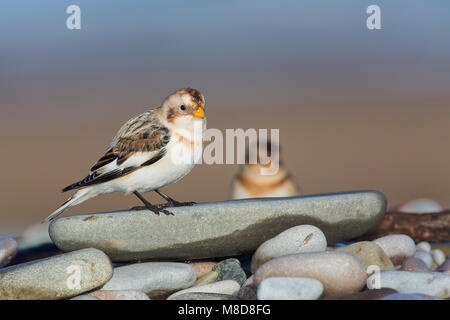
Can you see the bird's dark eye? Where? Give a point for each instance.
(183, 107)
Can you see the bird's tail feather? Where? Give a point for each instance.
(79, 197)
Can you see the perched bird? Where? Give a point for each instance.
(149, 152)
(249, 182)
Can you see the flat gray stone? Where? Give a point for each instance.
(217, 229)
(8, 250)
(58, 277)
(152, 278)
(421, 206)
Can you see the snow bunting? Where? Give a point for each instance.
(249, 182)
(150, 151)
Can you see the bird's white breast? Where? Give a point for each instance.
(178, 161)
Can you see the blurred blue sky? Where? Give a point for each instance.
(316, 49)
(137, 33)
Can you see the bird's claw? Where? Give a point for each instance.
(177, 204)
(155, 209)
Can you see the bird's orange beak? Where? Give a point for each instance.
(199, 112)
(268, 164)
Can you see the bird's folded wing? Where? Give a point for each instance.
(140, 142)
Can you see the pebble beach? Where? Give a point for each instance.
(311, 247)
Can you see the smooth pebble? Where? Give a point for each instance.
(340, 272)
(85, 297)
(438, 256)
(370, 254)
(398, 247)
(58, 277)
(217, 229)
(298, 239)
(421, 206)
(230, 287)
(152, 278)
(8, 250)
(425, 257)
(424, 246)
(414, 264)
(248, 289)
(289, 288)
(207, 278)
(445, 267)
(119, 295)
(202, 267)
(430, 283)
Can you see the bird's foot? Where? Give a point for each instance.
(177, 204)
(155, 209)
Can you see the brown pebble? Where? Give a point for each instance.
(415, 265)
(248, 290)
(202, 267)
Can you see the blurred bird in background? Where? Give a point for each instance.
(249, 182)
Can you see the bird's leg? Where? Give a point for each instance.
(147, 205)
(171, 202)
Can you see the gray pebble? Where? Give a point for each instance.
(229, 287)
(58, 277)
(339, 272)
(8, 250)
(230, 269)
(298, 239)
(398, 247)
(152, 278)
(430, 283)
(289, 288)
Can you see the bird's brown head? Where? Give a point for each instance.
(184, 103)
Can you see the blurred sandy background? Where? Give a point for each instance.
(356, 109)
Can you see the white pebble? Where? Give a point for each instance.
(421, 206)
(438, 256)
(289, 288)
(298, 239)
(398, 247)
(424, 246)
